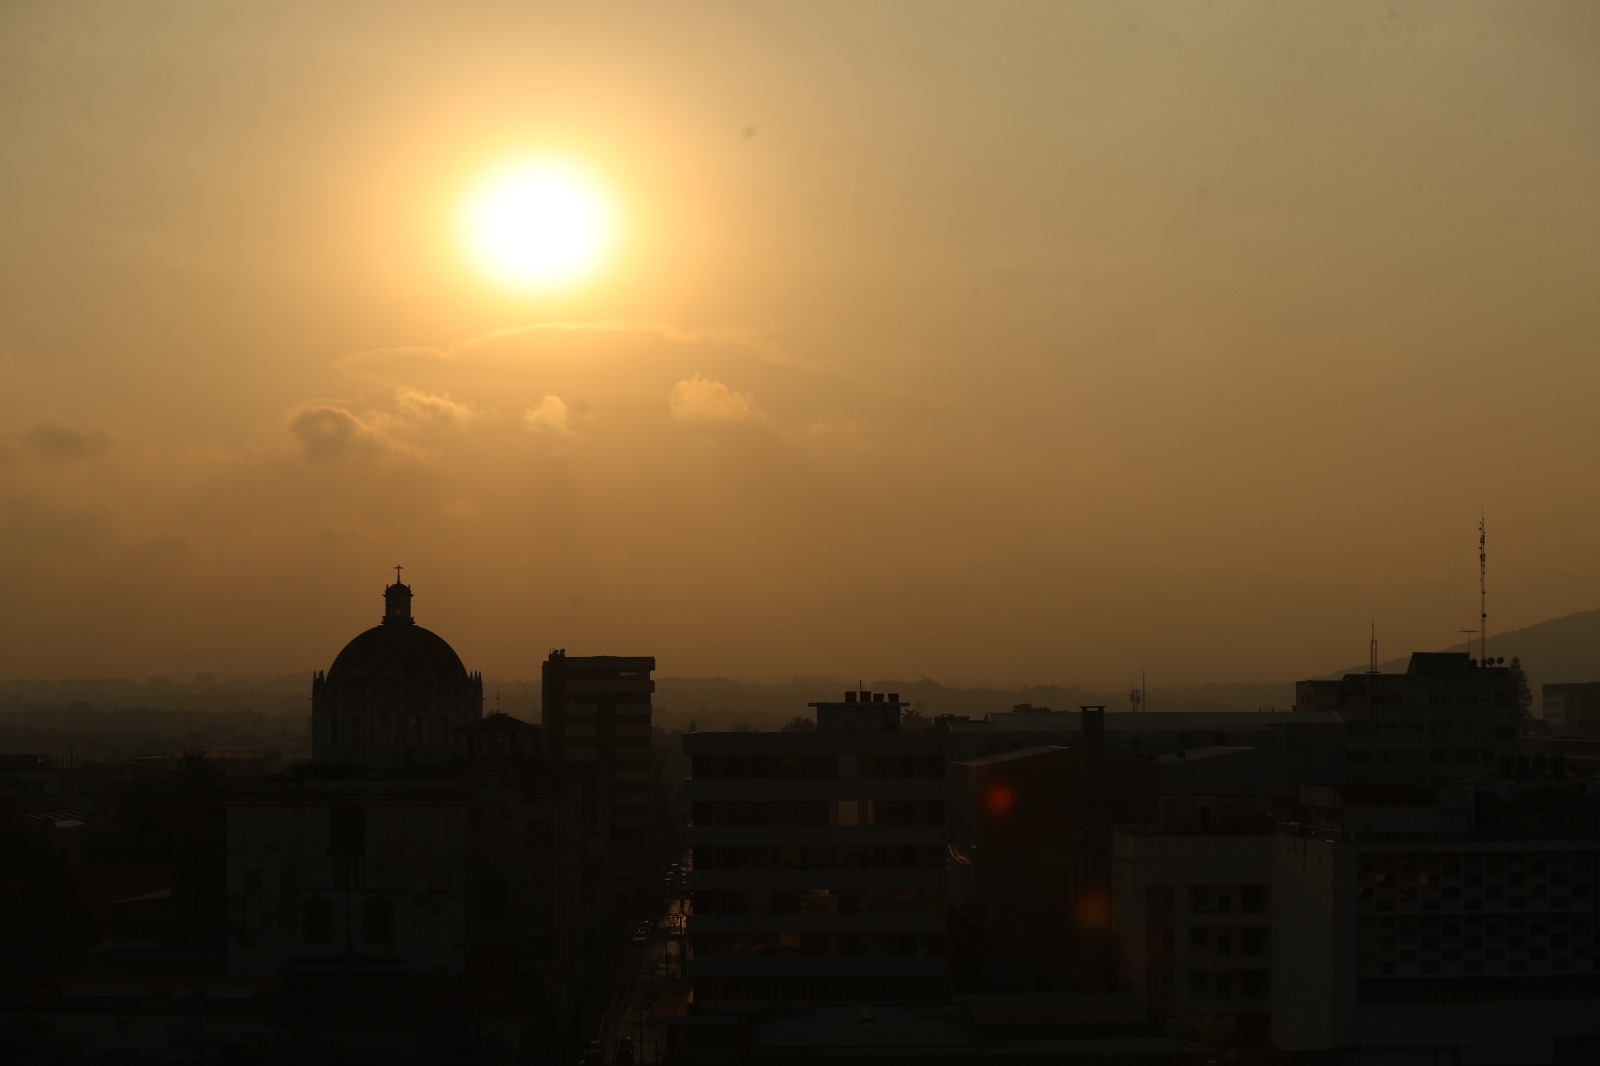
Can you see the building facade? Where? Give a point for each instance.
(1447, 719)
(596, 711)
(1458, 919)
(1572, 707)
(1192, 899)
(819, 861)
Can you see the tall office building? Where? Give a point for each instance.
(819, 861)
(596, 711)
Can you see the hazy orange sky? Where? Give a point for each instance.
(997, 342)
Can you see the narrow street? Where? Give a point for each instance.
(650, 986)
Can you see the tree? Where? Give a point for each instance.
(799, 724)
(1524, 691)
(914, 721)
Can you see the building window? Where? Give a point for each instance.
(385, 730)
(414, 731)
(444, 731)
(355, 730)
(347, 831)
(377, 921)
(316, 920)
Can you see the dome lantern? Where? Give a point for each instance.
(397, 602)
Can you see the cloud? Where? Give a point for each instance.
(52, 440)
(30, 526)
(430, 410)
(550, 416)
(324, 432)
(699, 399)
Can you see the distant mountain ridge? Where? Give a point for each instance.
(1557, 650)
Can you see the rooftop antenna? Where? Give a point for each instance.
(1372, 650)
(1483, 593)
(1468, 633)
(1135, 697)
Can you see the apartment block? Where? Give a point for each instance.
(596, 711)
(819, 861)
(1192, 900)
(1458, 919)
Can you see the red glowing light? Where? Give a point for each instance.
(1000, 798)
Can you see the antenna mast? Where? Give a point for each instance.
(1372, 653)
(1483, 593)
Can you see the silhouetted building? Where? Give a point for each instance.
(596, 710)
(1447, 719)
(819, 861)
(1292, 747)
(1572, 707)
(339, 880)
(394, 696)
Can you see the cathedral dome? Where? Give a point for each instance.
(394, 695)
(398, 650)
(409, 654)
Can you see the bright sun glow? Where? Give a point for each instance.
(538, 225)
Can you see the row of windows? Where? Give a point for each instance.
(817, 766)
(1247, 943)
(1457, 929)
(817, 946)
(1432, 756)
(1469, 729)
(819, 812)
(882, 857)
(1228, 984)
(819, 901)
(1494, 864)
(1500, 698)
(1452, 962)
(1225, 899)
(1473, 892)
(318, 923)
(821, 989)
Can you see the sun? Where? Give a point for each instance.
(538, 224)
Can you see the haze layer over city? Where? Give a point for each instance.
(1000, 343)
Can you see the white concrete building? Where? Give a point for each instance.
(1461, 920)
(1193, 914)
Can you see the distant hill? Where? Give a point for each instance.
(1561, 649)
